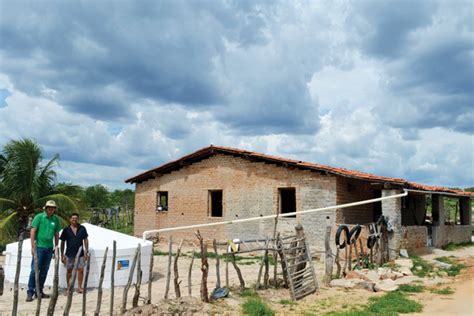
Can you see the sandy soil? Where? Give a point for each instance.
(328, 299)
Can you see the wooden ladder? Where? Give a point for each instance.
(297, 266)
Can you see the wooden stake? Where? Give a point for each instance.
(112, 278)
(328, 258)
(168, 273)
(150, 278)
(86, 279)
(189, 274)
(218, 274)
(72, 282)
(17, 275)
(101, 280)
(227, 268)
(2, 279)
(204, 268)
(136, 296)
(130, 279)
(346, 255)
(357, 254)
(176, 281)
(260, 270)
(275, 257)
(338, 263)
(37, 283)
(237, 269)
(349, 264)
(55, 293)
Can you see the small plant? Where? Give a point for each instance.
(411, 288)
(426, 267)
(286, 302)
(454, 269)
(254, 306)
(393, 303)
(445, 291)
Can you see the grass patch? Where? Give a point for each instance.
(445, 291)
(455, 268)
(452, 246)
(248, 293)
(411, 288)
(426, 267)
(254, 306)
(287, 302)
(390, 304)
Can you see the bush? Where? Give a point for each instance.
(393, 303)
(254, 306)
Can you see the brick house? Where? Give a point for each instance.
(219, 183)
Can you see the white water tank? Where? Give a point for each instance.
(99, 239)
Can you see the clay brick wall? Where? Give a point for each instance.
(351, 190)
(249, 189)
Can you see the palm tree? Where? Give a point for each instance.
(25, 186)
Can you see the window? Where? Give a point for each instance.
(287, 201)
(161, 201)
(215, 203)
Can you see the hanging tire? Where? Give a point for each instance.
(371, 242)
(354, 234)
(340, 229)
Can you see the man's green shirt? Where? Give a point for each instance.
(46, 228)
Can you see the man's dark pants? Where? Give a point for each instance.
(44, 259)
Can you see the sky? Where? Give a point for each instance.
(119, 87)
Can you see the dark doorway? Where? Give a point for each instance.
(288, 201)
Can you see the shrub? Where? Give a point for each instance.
(411, 288)
(445, 291)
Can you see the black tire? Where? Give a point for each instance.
(340, 229)
(371, 242)
(354, 234)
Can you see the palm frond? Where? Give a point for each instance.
(9, 227)
(66, 205)
(44, 181)
(6, 204)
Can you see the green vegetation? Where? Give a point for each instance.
(452, 246)
(390, 304)
(254, 306)
(287, 302)
(426, 267)
(411, 288)
(26, 183)
(25, 186)
(445, 291)
(455, 268)
(248, 292)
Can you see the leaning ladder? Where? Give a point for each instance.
(297, 266)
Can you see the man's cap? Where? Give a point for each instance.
(50, 203)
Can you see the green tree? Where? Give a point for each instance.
(97, 196)
(25, 186)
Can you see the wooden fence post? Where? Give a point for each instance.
(176, 282)
(136, 296)
(130, 278)
(67, 308)
(218, 273)
(237, 269)
(17, 276)
(204, 268)
(101, 280)
(168, 272)
(86, 279)
(190, 273)
(55, 293)
(328, 257)
(37, 283)
(112, 278)
(150, 278)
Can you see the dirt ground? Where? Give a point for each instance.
(328, 299)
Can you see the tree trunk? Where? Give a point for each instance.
(204, 269)
(176, 282)
(17, 276)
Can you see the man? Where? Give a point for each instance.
(44, 229)
(74, 236)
